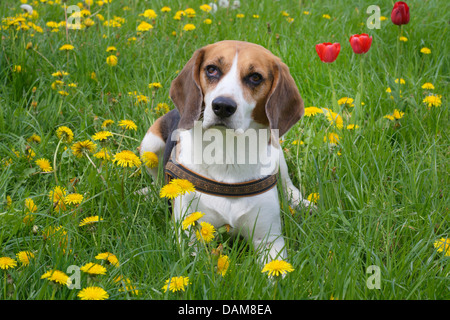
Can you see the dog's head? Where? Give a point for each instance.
(236, 84)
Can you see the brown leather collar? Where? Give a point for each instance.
(174, 170)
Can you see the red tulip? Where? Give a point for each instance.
(327, 51)
(360, 43)
(400, 13)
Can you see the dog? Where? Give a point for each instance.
(226, 90)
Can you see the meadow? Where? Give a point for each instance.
(80, 88)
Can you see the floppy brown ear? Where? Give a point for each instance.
(284, 106)
(186, 93)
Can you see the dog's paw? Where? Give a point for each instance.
(308, 205)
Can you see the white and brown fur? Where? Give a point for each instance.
(266, 97)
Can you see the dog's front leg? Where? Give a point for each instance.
(262, 226)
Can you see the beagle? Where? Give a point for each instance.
(233, 101)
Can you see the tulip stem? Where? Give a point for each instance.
(361, 86)
(400, 32)
(335, 104)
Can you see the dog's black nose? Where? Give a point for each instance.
(224, 107)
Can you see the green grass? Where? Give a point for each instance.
(383, 189)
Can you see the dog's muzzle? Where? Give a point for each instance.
(224, 107)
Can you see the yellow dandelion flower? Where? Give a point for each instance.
(60, 74)
(66, 47)
(397, 114)
(24, 257)
(90, 220)
(34, 138)
(313, 197)
(176, 284)
(93, 293)
(190, 13)
(128, 124)
(403, 39)
(17, 69)
(185, 185)
(433, 100)
(29, 204)
(388, 90)
(52, 24)
(57, 277)
(352, 126)
(312, 111)
(206, 232)
(277, 267)
(222, 264)
(162, 107)
(73, 198)
(255, 16)
(65, 134)
(93, 268)
(149, 13)
(56, 84)
(425, 50)
(334, 118)
(189, 27)
(443, 245)
(44, 165)
(103, 154)
(428, 86)
(240, 15)
(165, 9)
(347, 101)
(111, 48)
(126, 285)
(150, 159)
(57, 195)
(205, 7)
(191, 219)
(127, 158)
(326, 16)
(112, 60)
(155, 85)
(88, 22)
(332, 138)
(296, 142)
(51, 232)
(108, 256)
(170, 191)
(178, 15)
(102, 135)
(7, 262)
(107, 123)
(144, 26)
(402, 81)
(82, 147)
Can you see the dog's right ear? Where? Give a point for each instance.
(186, 93)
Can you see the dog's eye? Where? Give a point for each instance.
(255, 78)
(212, 71)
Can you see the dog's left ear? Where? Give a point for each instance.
(284, 107)
(186, 93)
